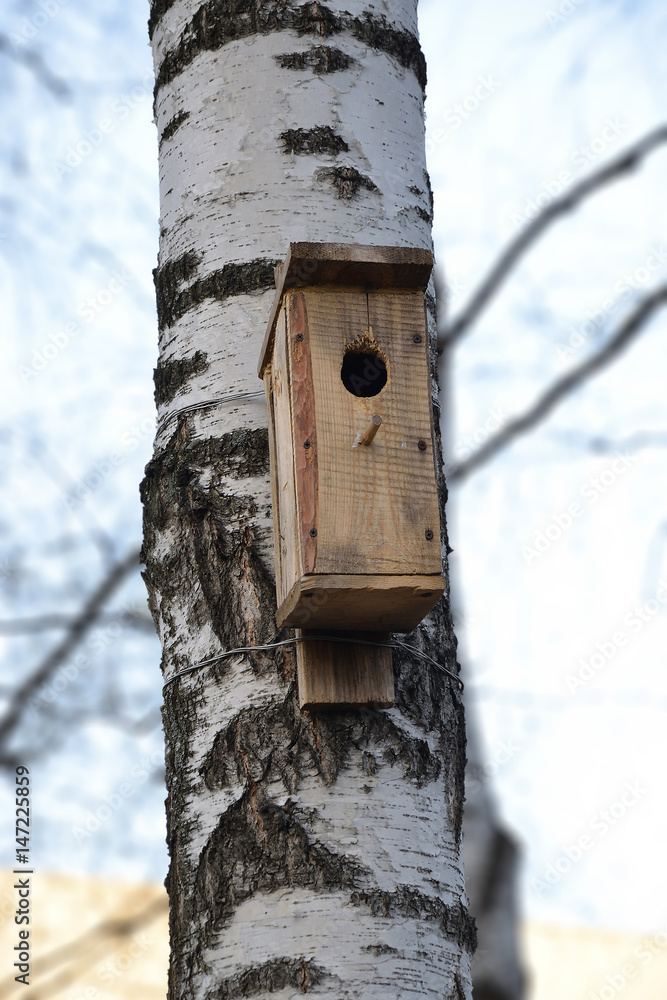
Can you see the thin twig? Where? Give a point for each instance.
(80, 625)
(33, 60)
(54, 621)
(599, 445)
(623, 164)
(628, 330)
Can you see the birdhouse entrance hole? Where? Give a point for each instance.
(363, 374)
(364, 370)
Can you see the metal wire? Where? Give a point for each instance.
(396, 644)
(204, 405)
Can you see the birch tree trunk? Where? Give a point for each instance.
(310, 852)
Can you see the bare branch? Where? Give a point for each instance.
(626, 162)
(55, 84)
(88, 615)
(632, 326)
(55, 621)
(599, 445)
(30, 626)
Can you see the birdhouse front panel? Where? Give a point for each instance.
(356, 512)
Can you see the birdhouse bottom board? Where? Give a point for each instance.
(357, 529)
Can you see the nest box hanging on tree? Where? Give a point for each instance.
(355, 502)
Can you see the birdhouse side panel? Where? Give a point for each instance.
(286, 531)
(304, 427)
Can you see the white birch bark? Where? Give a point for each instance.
(309, 852)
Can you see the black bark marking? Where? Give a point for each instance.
(381, 949)
(429, 190)
(270, 977)
(321, 59)
(403, 46)
(173, 125)
(456, 778)
(320, 139)
(460, 994)
(158, 9)
(454, 921)
(259, 846)
(280, 743)
(216, 547)
(239, 454)
(232, 279)
(168, 280)
(346, 180)
(218, 22)
(170, 376)
(423, 696)
(423, 214)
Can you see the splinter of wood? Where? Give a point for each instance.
(370, 432)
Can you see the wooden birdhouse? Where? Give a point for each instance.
(355, 502)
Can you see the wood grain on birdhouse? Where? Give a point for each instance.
(346, 370)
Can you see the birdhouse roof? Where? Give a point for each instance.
(347, 265)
